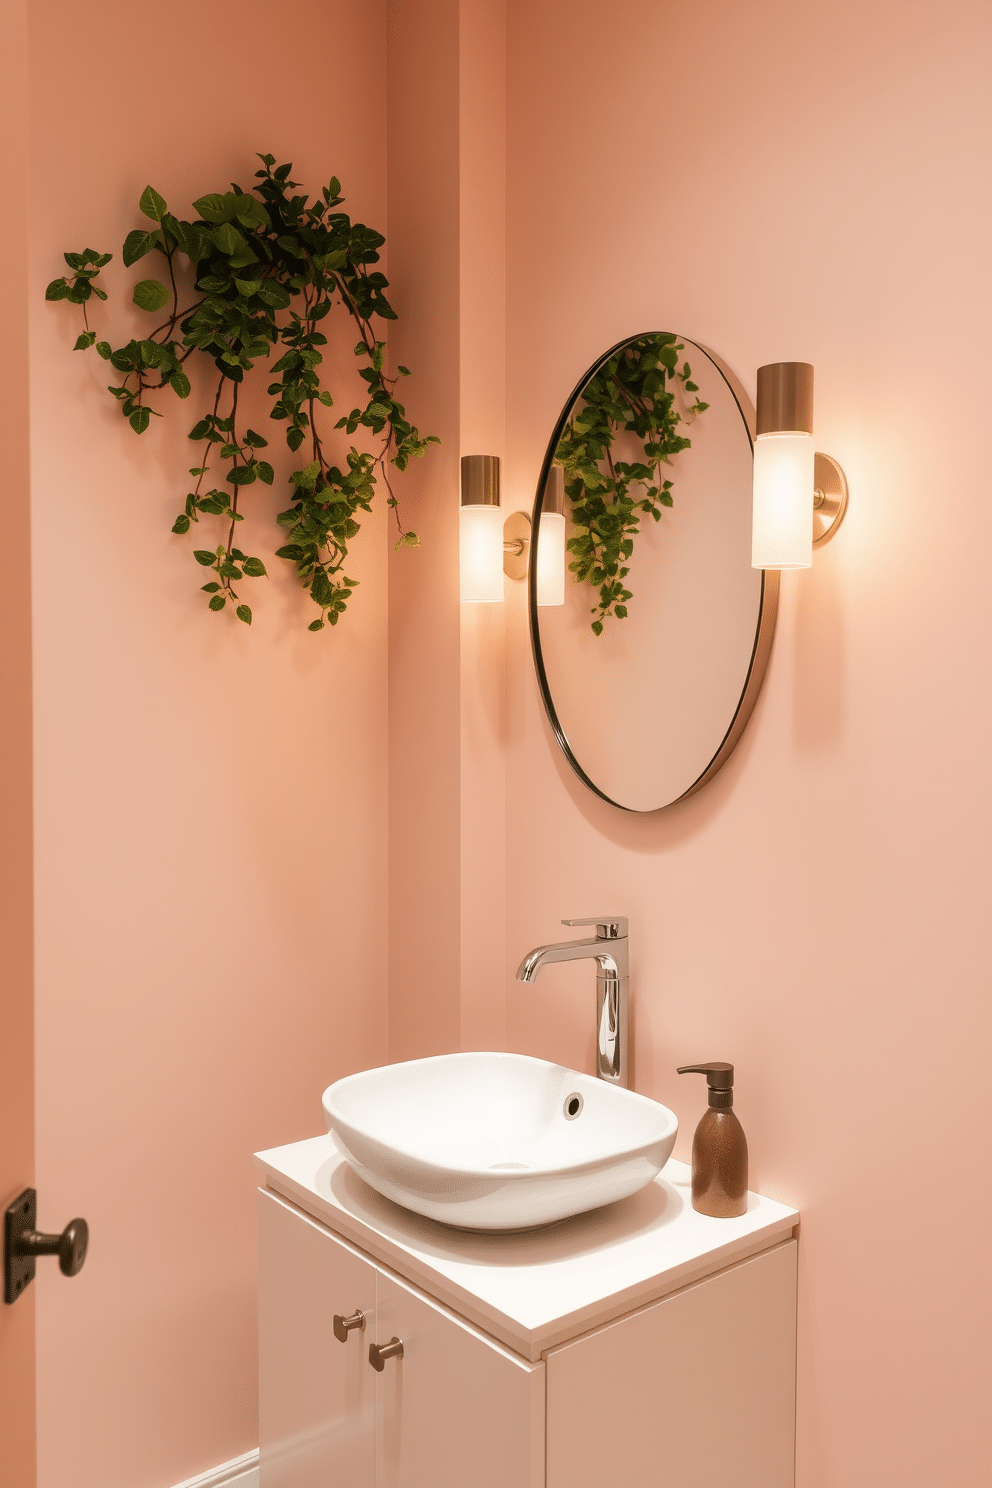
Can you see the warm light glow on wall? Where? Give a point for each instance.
(782, 510)
(480, 537)
(551, 559)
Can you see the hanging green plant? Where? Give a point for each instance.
(633, 392)
(267, 269)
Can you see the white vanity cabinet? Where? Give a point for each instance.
(327, 1418)
(641, 1345)
(316, 1397)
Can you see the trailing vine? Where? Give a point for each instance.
(633, 392)
(255, 257)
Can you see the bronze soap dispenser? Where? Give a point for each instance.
(719, 1147)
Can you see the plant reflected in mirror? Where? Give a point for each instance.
(633, 393)
(646, 712)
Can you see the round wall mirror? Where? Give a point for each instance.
(650, 667)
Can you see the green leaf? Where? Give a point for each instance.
(243, 613)
(242, 475)
(250, 212)
(151, 295)
(292, 551)
(181, 524)
(227, 238)
(248, 287)
(139, 420)
(152, 205)
(218, 602)
(321, 590)
(316, 625)
(137, 244)
(243, 259)
(57, 290)
(204, 556)
(85, 341)
(179, 384)
(274, 294)
(217, 207)
(216, 504)
(104, 349)
(254, 568)
(307, 478)
(264, 471)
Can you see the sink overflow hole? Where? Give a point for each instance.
(573, 1106)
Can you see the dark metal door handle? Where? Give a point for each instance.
(344, 1325)
(23, 1244)
(379, 1353)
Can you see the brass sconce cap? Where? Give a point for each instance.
(785, 398)
(480, 480)
(553, 499)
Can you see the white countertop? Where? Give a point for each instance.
(537, 1289)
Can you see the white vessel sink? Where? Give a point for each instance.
(496, 1141)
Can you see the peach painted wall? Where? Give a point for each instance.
(446, 144)
(211, 812)
(17, 1323)
(795, 181)
(424, 696)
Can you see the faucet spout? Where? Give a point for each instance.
(608, 948)
(565, 950)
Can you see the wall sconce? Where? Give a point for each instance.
(800, 497)
(488, 548)
(480, 535)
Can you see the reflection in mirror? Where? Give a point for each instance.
(651, 666)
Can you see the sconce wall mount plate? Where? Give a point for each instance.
(516, 544)
(829, 498)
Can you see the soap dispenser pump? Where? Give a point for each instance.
(719, 1147)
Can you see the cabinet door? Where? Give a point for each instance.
(456, 1411)
(694, 1390)
(316, 1396)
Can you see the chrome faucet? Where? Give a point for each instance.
(608, 947)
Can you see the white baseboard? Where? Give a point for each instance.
(240, 1472)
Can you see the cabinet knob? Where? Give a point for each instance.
(344, 1325)
(378, 1354)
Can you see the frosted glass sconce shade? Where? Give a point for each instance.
(551, 559)
(782, 515)
(480, 538)
(782, 511)
(551, 541)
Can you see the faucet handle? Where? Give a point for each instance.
(608, 927)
